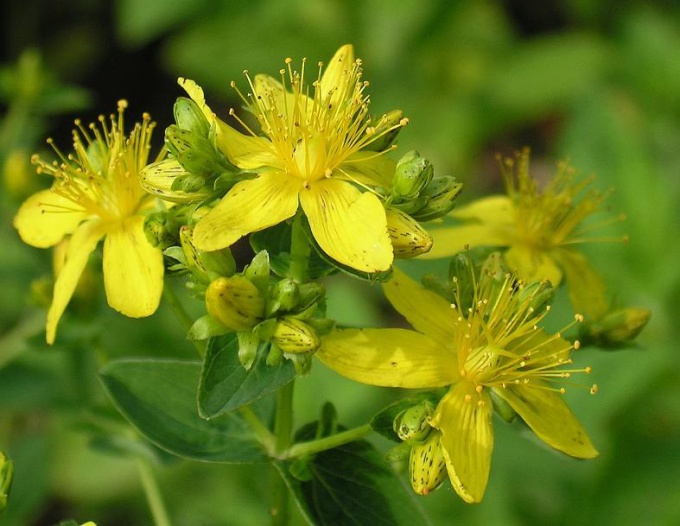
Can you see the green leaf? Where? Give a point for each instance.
(353, 484)
(158, 397)
(226, 385)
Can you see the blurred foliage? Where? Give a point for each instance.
(596, 81)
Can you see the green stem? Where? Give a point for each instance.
(182, 316)
(283, 432)
(300, 250)
(330, 442)
(263, 435)
(153, 494)
(13, 343)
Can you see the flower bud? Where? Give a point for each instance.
(207, 265)
(427, 465)
(539, 293)
(235, 302)
(6, 474)
(159, 179)
(284, 296)
(412, 174)
(441, 196)
(618, 328)
(295, 336)
(194, 152)
(413, 424)
(394, 120)
(189, 116)
(408, 238)
(159, 230)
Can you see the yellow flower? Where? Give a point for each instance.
(96, 195)
(315, 153)
(492, 348)
(540, 228)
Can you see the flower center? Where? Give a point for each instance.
(314, 128)
(100, 177)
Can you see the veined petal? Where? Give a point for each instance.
(245, 151)
(275, 95)
(464, 418)
(133, 270)
(332, 78)
(423, 309)
(350, 226)
(587, 290)
(251, 205)
(448, 241)
(492, 210)
(81, 244)
(547, 414)
(388, 357)
(533, 265)
(45, 218)
(367, 168)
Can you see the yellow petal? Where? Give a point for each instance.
(448, 241)
(388, 357)
(533, 265)
(464, 418)
(367, 168)
(45, 218)
(133, 270)
(547, 414)
(552, 349)
(83, 241)
(492, 210)
(349, 226)
(425, 311)
(587, 290)
(244, 151)
(275, 96)
(249, 206)
(334, 75)
(196, 93)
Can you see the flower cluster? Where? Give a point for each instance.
(307, 177)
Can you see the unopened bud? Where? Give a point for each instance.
(408, 238)
(394, 120)
(427, 465)
(6, 475)
(412, 174)
(189, 116)
(295, 336)
(285, 295)
(539, 294)
(194, 152)
(159, 230)
(235, 302)
(159, 179)
(619, 327)
(441, 196)
(413, 424)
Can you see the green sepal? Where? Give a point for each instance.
(206, 327)
(158, 397)
(502, 408)
(225, 385)
(441, 194)
(412, 174)
(258, 272)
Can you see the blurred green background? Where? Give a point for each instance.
(594, 81)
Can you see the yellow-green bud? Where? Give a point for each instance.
(6, 474)
(159, 230)
(413, 424)
(412, 174)
(393, 119)
(441, 194)
(427, 465)
(207, 265)
(295, 336)
(539, 294)
(619, 327)
(235, 302)
(285, 295)
(194, 152)
(160, 179)
(258, 271)
(189, 116)
(408, 238)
